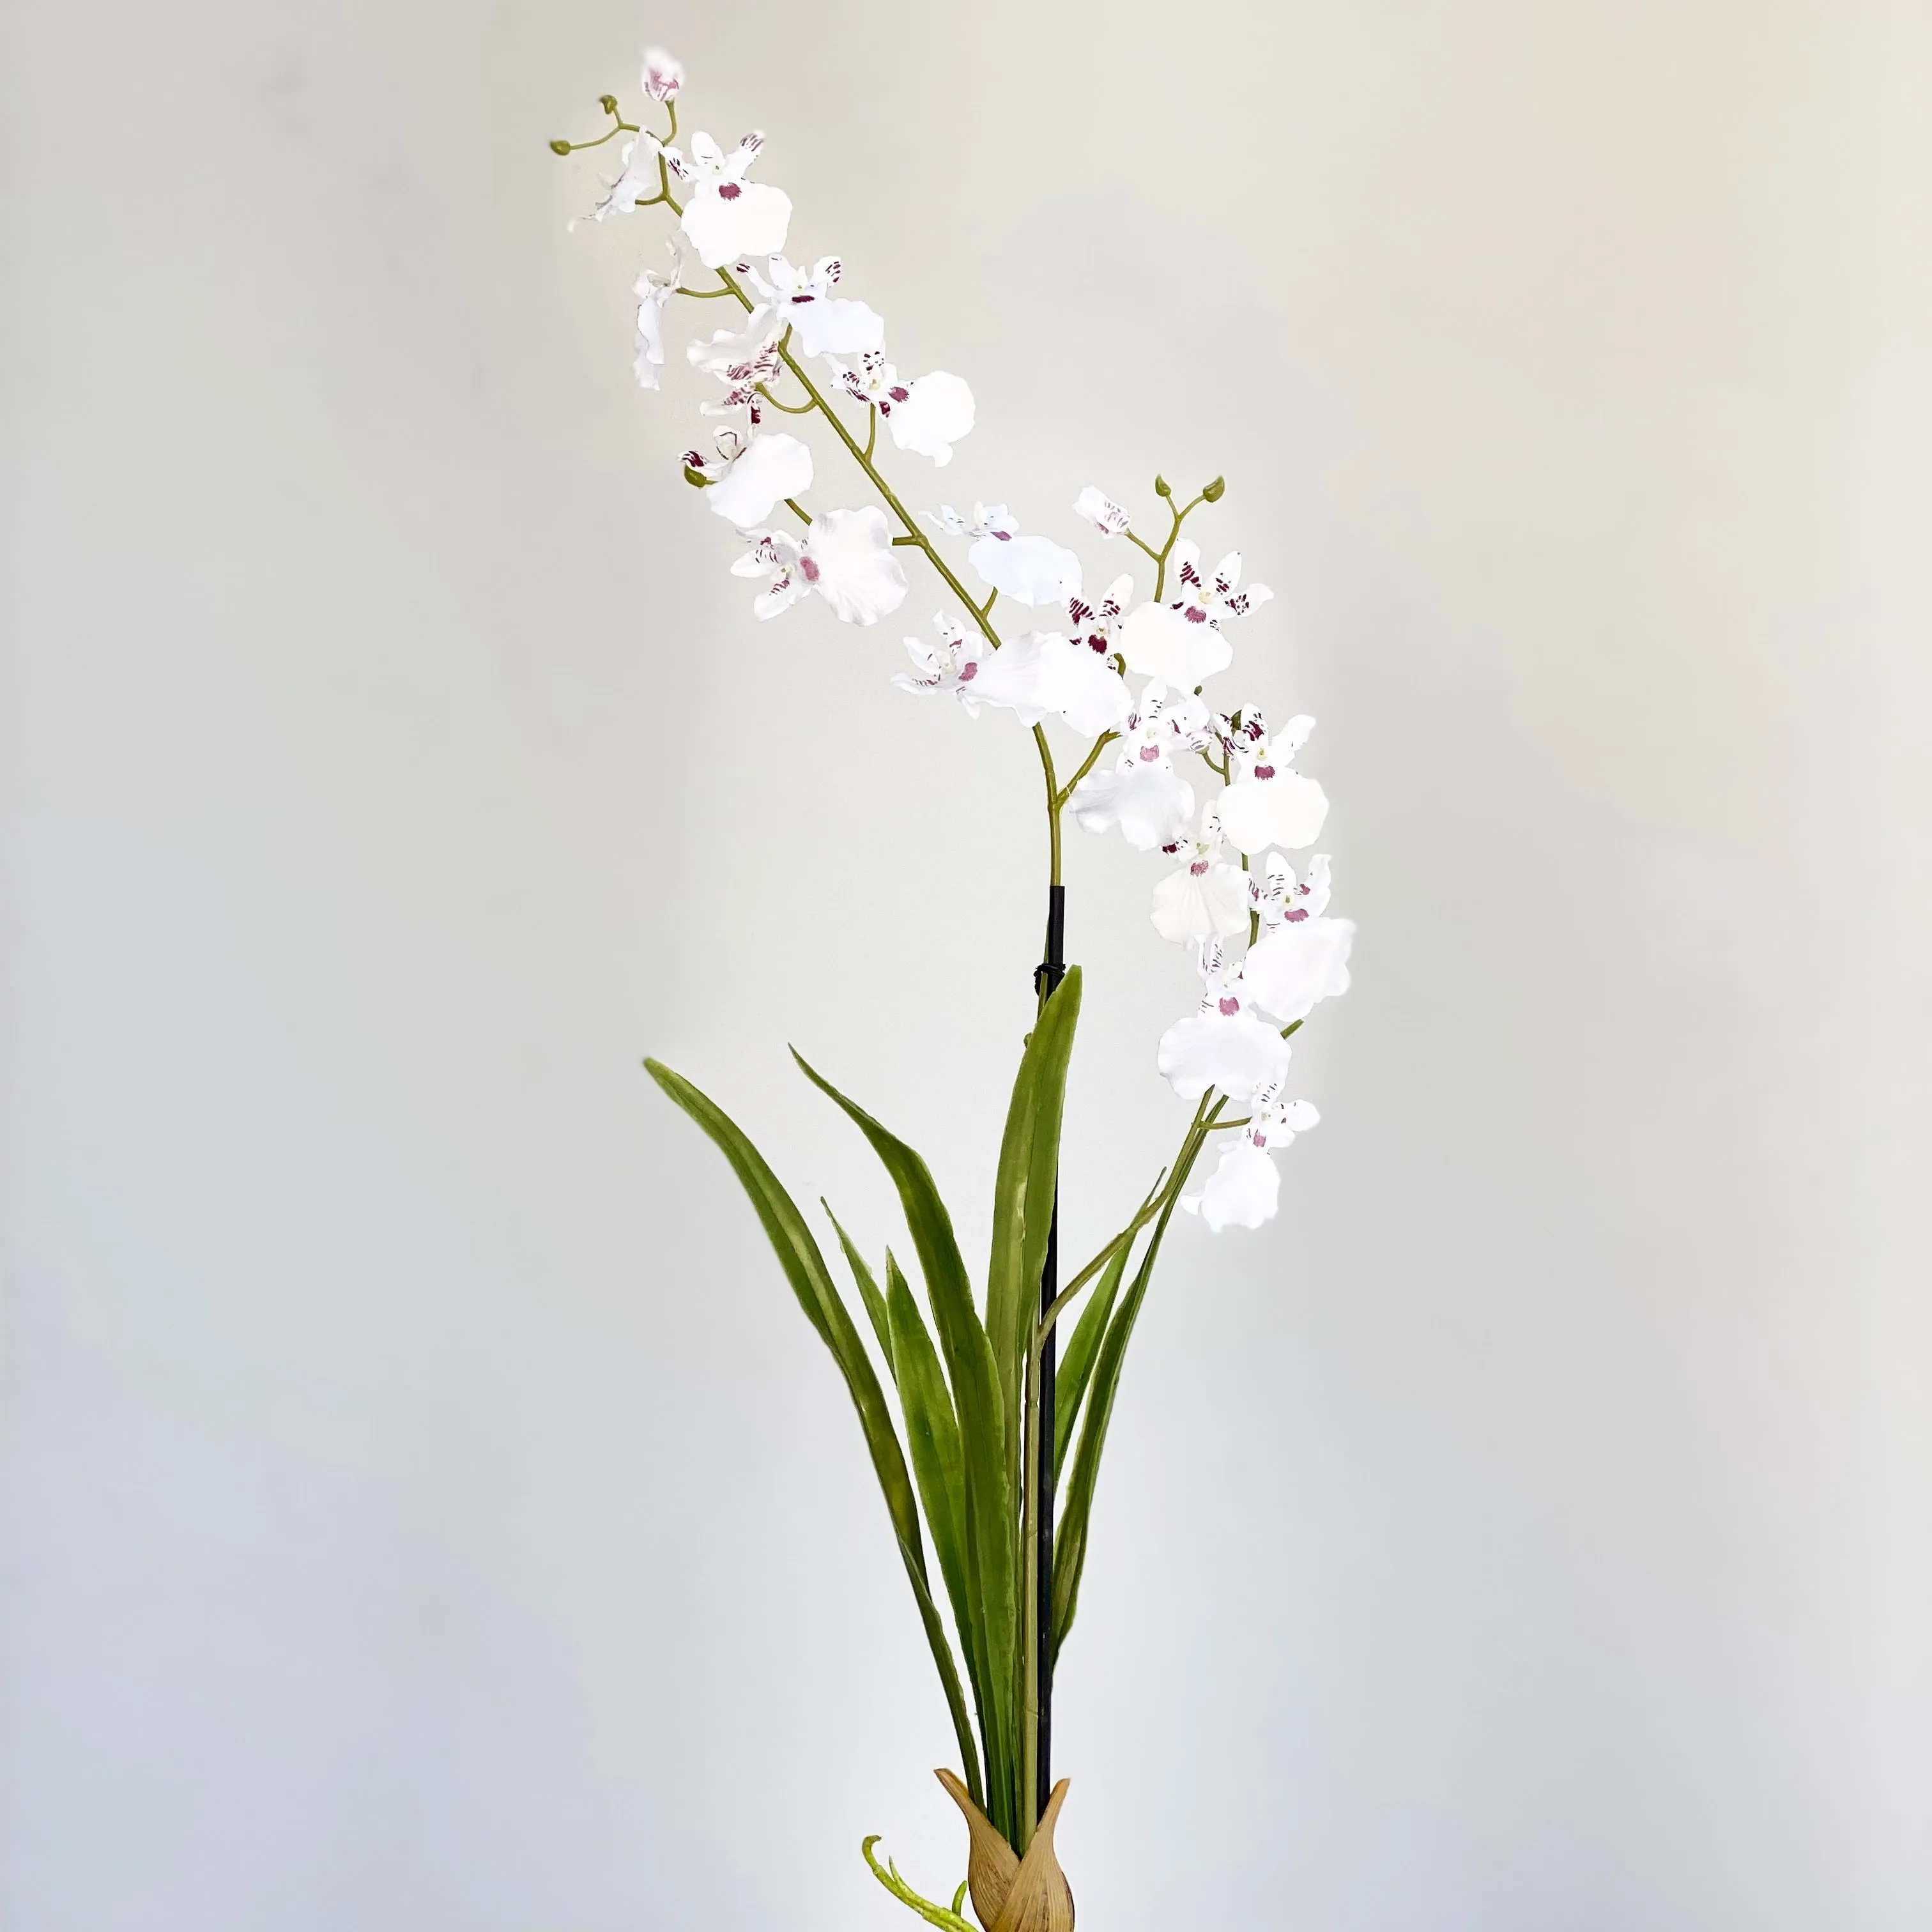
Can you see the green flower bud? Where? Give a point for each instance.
(1160, 487)
(1216, 490)
(696, 482)
(560, 147)
(608, 102)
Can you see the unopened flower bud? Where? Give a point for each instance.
(1216, 490)
(608, 102)
(560, 147)
(1160, 487)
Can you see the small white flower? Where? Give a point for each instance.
(952, 665)
(927, 415)
(846, 557)
(728, 217)
(775, 554)
(1180, 641)
(1302, 957)
(1207, 600)
(663, 75)
(638, 180)
(1030, 570)
(743, 372)
(1265, 803)
(1094, 626)
(1223, 1045)
(1243, 1192)
(749, 479)
(1041, 674)
(1203, 895)
(1144, 795)
(1274, 895)
(824, 324)
(1102, 512)
(1245, 1188)
(653, 291)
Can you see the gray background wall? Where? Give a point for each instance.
(423, 1506)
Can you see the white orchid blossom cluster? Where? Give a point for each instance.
(1213, 792)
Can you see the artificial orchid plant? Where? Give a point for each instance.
(989, 1408)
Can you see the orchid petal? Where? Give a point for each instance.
(936, 413)
(1235, 1052)
(1157, 641)
(1243, 1191)
(752, 221)
(1286, 810)
(1030, 570)
(1287, 971)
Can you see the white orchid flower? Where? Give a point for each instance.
(927, 415)
(1102, 512)
(749, 480)
(1203, 895)
(1207, 600)
(1040, 674)
(846, 557)
(743, 369)
(1274, 895)
(1303, 957)
(1144, 795)
(952, 665)
(637, 178)
(1030, 570)
(1094, 625)
(1245, 1188)
(728, 217)
(663, 75)
(1180, 641)
(653, 292)
(825, 325)
(1224, 1045)
(1266, 804)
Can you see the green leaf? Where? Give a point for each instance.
(868, 1289)
(1069, 1548)
(991, 1532)
(932, 1434)
(812, 1282)
(1076, 1366)
(1023, 1191)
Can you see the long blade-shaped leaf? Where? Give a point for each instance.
(1069, 1548)
(812, 1282)
(1023, 1197)
(991, 1532)
(932, 1435)
(868, 1289)
(1076, 1366)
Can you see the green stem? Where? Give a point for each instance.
(1100, 744)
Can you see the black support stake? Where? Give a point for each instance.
(1052, 970)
